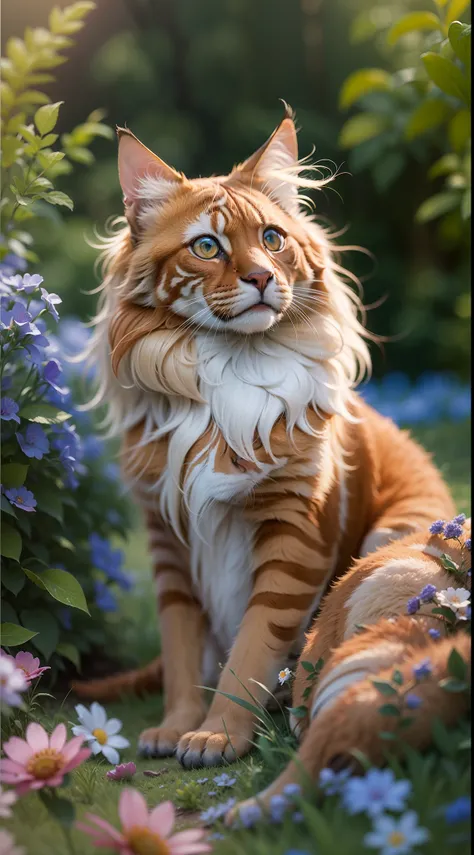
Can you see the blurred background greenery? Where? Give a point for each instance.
(200, 83)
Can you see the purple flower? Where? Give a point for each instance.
(458, 811)
(122, 772)
(333, 782)
(467, 543)
(422, 670)
(427, 594)
(434, 633)
(292, 790)
(51, 301)
(104, 599)
(212, 814)
(34, 443)
(452, 530)
(51, 373)
(21, 498)
(437, 527)
(375, 793)
(67, 460)
(224, 780)
(413, 605)
(27, 283)
(278, 808)
(33, 352)
(413, 701)
(249, 815)
(461, 519)
(8, 410)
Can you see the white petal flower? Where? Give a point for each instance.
(12, 681)
(396, 836)
(7, 799)
(456, 599)
(100, 732)
(284, 676)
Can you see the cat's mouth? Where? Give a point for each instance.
(262, 306)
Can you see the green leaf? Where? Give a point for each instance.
(387, 169)
(63, 586)
(14, 474)
(412, 22)
(49, 501)
(444, 166)
(298, 712)
(363, 127)
(457, 667)
(47, 159)
(46, 117)
(58, 198)
(455, 686)
(60, 809)
(46, 630)
(13, 635)
(466, 205)
(44, 414)
(460, 39)
(6, 506)
(308, 666)
(455, 10)
(361, 82)
(447, 76)
(11, 542)
(448, 563)
(436, 206)
(69, 651)
(384, 688)
(389, 709)
(397, 677)
(459, 130)
(446, 612)
(12, 578)
(428, 115)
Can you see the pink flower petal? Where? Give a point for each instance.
(191, 835)
(187, 848)
(82, 755)
(107, 827)
(161, 819)
(17, 749)
(12, 767)
(36, 737)
(132, 809)
(72, 747)
(57, 740)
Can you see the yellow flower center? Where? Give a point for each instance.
(142, 841)
(100, 735)
(396, 838)
(44, 764)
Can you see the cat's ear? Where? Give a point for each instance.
(265, 169)
(143, 175)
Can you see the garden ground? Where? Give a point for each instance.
(437, 778)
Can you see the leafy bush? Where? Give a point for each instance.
(421, 107)
(60, 498)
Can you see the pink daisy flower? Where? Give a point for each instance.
(40, 760)
(122, 772)
(29, 664)
(142, 831)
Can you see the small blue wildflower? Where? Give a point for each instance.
(212, 793)
(427, 594)
(413, 701)
(297, 816)
(458, 811)
(51, 373)
(434, 633)
(292, 790)
(216, 835)
(51, 301)
(467, 543)
(437, 527)
(423, 669)
(333, 782)
(21, 498)
(27, 283)
(202, 780)
(461, 519)
(413, 605)
(212, 814)
(375, 793)
(9, 410)
(452, 530)
(249, 815)
(104, 598)
(278, 808)
(468, 613)
(34, 442)
(224, 780)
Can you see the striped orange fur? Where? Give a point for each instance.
(230, 345)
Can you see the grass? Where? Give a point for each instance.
(437, 777)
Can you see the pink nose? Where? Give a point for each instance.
(259, 278)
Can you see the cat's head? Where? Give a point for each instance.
(228, 253)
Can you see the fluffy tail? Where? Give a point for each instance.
(140, 681)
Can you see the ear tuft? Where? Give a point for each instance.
(136, 164)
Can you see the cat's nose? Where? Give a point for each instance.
(259, 278)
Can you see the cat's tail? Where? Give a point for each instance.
(139, 681)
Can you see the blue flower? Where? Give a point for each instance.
(467, 543)
(51, 373)
(27, 283)
(249, 815)
(452, 530)
(292, 790)
(278, 808)
(202, 780)
(51, 301)
(413, 605)
(21, 498)
(437, 527)
(422, 670)
(461, 519)
(224, 780)
(427, 594)
(93, 447)
(9, 410)
(34, 443)
(333, 782)
(108, 560)
(375, 793)
(434, 633)
(104, 598)
(458, 811)
(212, 814)
(413, 701)
(67, 460)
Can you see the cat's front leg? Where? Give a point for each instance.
(287, 580)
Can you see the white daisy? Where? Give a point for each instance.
(12, 682)
(457, 599)
(284, 676)
(100, 733)
(396, 836)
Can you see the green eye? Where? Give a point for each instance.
(206, 247)
(273, 240)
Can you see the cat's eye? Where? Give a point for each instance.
(206, 247)
(273, 240)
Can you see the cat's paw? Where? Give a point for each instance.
(162, 741)
(212, 747)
